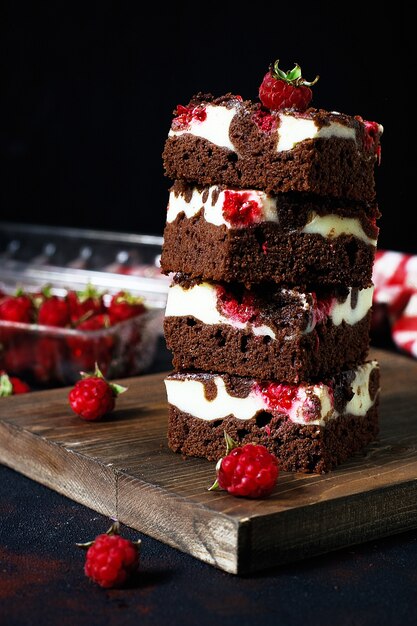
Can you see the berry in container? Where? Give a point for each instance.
(73, 298)
(49, 334)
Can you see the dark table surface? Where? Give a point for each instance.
(42, 579)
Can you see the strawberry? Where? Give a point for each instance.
(123, 305)
(285, 90)
(93, 396)
(86, 350)
(95, 322)
(17, 353)
(84, 304)
(17, 308)
(11, 385)
(54, 311)
(48, 360)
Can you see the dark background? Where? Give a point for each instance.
(88, 91)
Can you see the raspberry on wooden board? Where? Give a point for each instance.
(93, 396)
(249, 471)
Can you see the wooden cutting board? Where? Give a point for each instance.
(123, 468)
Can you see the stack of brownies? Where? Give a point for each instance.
(270, 238)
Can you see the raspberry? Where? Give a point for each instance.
(93, 396)
(11, 385)
(322, 308)
(265, 121)
(185, 115)
(111, 559)
(123, 305)
(239, 209)
(54, 311)
(285, 90)
(371, 137)
(279, 396)
(16, 308)
(243, 311)
(249, 471)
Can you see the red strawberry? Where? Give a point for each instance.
(111, 559)
(123, 305)
(17, 308)
(86, 350)
(18, 352)
(11, 385)
(54, 311)
(285, 90)
(250, 471)
(93, 396)
(49, 360)
(83, 304)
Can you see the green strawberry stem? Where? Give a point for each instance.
(6, 387)
(293, 76)
(129, 298)
(89, 292)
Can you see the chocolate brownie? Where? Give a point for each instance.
(309, 429)
(280, 334)
(264, 252)
(240, 144)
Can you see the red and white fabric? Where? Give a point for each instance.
(395, 280)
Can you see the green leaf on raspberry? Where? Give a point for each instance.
(294, 73)
(231, 444)
(113, 530)
(292, 76)
(116, 389)
(6, 387)
(215, 486)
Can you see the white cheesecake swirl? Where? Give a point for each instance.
(212, 202)
(311, 404)
(292, 128)
(201, 302)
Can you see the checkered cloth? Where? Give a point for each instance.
(395, 280)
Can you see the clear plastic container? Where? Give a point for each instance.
(32, 257)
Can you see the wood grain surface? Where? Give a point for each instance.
(123, 468)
